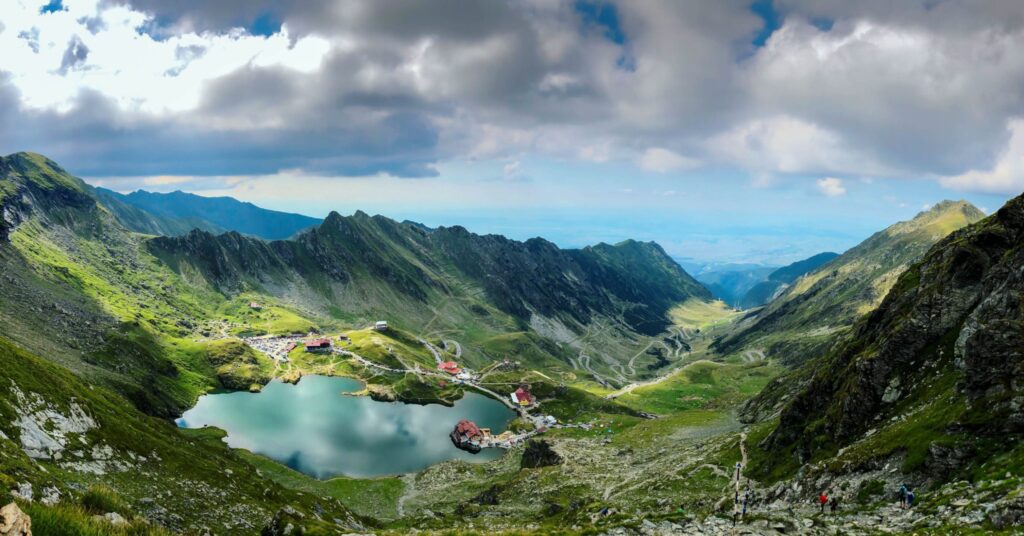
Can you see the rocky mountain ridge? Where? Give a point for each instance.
(805, 320)
(946, 346)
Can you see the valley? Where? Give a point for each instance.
(896, 362)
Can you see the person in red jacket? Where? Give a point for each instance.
(823, 500)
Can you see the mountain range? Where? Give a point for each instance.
(896, 362)
(178, 212)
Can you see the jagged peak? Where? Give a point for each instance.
(944, 217)
(947, 206)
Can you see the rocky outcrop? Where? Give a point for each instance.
(14, 522)
(956, 312)
(539, 453)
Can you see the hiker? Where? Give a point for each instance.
(903, 496)
(834, 504)
(738, 466)
(823, 500)
(746, 499)
(910, 499)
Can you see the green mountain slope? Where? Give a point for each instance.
(809, 315)
(931, 378)
(171, 213)
(780, 279)
(365, 264)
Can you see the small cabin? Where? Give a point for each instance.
(318, 345)
(255, 306)
(381, 325)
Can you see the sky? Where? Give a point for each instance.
(730, 131)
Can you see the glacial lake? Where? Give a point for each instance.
(313, 428)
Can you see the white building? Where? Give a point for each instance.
(381, 325)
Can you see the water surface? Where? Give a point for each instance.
(313, 428)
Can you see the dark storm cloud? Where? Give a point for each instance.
(97, 138)
(903, 89)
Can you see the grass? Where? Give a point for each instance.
(392, 348)
(702, 385)
(100, 499)
(702, 315)
(72, 520)
(238, 366)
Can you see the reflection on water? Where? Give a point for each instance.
(313, 428)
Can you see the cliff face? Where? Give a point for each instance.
(954, 318)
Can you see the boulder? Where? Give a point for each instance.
(14, 522)
(539, 453)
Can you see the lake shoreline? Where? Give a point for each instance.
(309, 428)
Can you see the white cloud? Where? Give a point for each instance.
(784, 144)
(1006, 176)
(831, 187)
(121, 61)
(513, 171)
(660, 160)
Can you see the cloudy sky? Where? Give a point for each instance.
(726, 130)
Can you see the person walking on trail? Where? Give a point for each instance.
(746, 499)
(834, 504)
(910, 499)
(903, 496)
(823, 500)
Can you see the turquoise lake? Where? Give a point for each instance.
(313, 428)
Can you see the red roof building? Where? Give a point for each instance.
(318, 344)
(522, 397)
(467, 436)
(450, 367)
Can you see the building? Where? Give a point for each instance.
(318, 345)
(289, 347)
(342, 337)
(450, 367)
(467, 436)
(522, 397)
(255, 306)
(381, 325)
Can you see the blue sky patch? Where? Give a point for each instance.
(53, 5)
(266, 25)
(772, 21)
(595, 13)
